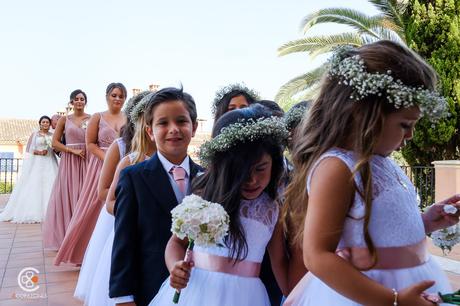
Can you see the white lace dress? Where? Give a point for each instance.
(29, 200)
(395, 221)
(258, 218)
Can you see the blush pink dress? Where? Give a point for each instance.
(88, 206)
(66, 189)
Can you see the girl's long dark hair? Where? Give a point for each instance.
(229, 170)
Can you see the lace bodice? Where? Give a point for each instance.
(40, 141)
(106, 134)
(395, 219)
(258, 219)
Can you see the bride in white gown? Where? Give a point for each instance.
(29, 199)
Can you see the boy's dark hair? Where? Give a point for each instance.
(229, 170)
(170, 94)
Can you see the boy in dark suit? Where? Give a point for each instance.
(146, 193)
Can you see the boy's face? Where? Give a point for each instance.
(172, 129)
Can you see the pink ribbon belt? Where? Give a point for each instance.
(227, 265)
(387, 258)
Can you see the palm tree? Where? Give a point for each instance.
(389, 23)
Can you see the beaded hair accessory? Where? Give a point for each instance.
(139, 108)
(221, 93)
(293, 116)
(132, 102)
(243, 131)
(352, 72)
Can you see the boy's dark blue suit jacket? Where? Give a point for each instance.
(145, 199)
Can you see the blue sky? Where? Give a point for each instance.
(51, 47)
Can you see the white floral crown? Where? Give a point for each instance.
(294, 115)
(228, 89)
(138, 110)
(243, 131)
(132, 102)
(352, 72)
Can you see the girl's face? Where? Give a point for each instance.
(45, 124)
(237, 103)
(116, 99)
(79, 102)
(398, 127)
(259, 178)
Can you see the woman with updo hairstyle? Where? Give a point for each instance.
(72, 169)
(103, 128)
(233, 96)
(29, 199)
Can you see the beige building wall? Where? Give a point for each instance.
(447, 178)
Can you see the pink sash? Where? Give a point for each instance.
(227, 265)
(387, 258)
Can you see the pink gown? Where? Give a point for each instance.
(66, 188)
(88, 206)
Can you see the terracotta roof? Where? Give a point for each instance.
(14, 130)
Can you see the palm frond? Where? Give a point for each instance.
(353, 18)
(300, 83)
(392, 9)
(312, 44)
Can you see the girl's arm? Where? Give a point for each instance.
(57, 135)
(278, 258)
(435, 218)
(296, 267)
(330, 197)
(174, 256)
(110, 201)
(91, 136)
(109, 166)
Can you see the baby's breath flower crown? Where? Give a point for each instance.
(241, 132)
(352, 72)
(293, 116)
(228, 89)
(132, 102)
(138, 110)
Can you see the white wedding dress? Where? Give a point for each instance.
(30, 196)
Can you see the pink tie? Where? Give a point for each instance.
(179, 176)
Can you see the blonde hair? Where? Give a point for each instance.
(141, 141)
(335, 120)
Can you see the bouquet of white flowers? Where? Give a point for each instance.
(48, 141)
(447, 238)
(202, 222)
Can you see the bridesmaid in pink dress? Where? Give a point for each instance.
(72, 169)
(102, 130)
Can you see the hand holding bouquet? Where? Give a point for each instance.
(202, 222)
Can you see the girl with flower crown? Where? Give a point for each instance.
(72, 170)
(29, 200)
(355, 210)
(232, 96)
(244, 164)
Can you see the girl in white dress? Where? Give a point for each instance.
(93, 281)
(363, 233)
(244, 163)
(30, 196)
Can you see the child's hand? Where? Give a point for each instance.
(180, 274)
(436, 218)
(413, 295)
